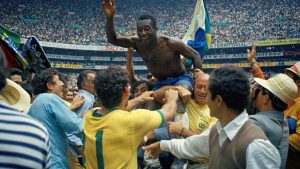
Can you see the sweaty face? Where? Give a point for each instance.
(145, 29)
(200, 90)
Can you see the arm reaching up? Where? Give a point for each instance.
(129, 65)
(109, 9)
(256, 71)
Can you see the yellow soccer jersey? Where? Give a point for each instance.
(199, 116)
(111, 141)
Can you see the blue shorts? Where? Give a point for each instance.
(185, 79)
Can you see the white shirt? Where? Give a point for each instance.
(259, 154)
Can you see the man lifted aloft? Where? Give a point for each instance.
(161, 54)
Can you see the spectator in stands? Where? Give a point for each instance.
(50, 109)
(234, 142)
(15, 75)
(78, 22)
(24, 142)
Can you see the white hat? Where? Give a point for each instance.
(14, 95)
(281, 86)
(295, 69)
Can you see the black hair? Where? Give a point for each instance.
(232, 84)
(40, 80)
(28, 88)
(3, 65)
(277, 103)
(14, 71)
(149, 84)
(147, 16)
(110, 84)
(83, 78)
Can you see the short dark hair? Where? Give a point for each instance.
(149, 84)
(40, 80)
(3, 65)
(232, 84)
(110, 84)
(83, 78)
(277, 104)
(147, 16)
(14, 71)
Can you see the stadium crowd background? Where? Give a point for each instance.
(82, 21)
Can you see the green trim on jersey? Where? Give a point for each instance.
(99, 149)
(162, 117)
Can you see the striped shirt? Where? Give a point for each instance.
(24, 142)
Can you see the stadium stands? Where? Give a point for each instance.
(82, 21)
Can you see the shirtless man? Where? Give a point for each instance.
(161, 54)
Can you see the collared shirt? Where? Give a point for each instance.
(293, 111)
(260, 153)
(52, 111)
(89, 100)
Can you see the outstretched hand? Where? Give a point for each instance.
(152, 150)
(184, 94)
(251, 54)
(109, 7)
(146, 96)
(77, 102)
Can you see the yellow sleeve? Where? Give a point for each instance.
(146, 120)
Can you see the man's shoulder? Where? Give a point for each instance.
(16, 117)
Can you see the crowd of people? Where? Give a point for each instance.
(176, 118)
(101, 108)
(82, 22)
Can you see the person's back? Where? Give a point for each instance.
(24, 143)
(118, 135)
(119, 132)
(275, 127)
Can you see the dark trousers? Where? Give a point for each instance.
(293, 159)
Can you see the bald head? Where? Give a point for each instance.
(200, 84)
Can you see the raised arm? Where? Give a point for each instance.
(129, 65)
(256, 70)
(187, 52)
(109, 9)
